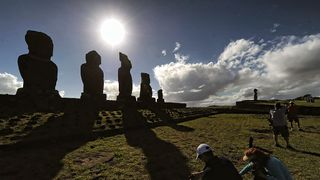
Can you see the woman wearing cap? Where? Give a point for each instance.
(264, 166)
(215, 167)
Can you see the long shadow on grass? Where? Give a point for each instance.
(164, 160)
(263, 131)
(38, 155)
(305, 152)
(310, 129)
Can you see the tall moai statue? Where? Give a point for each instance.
(125, 79)
(38, 72)
(255, 96)
(160, 96)
(145, 89)
(92, 77)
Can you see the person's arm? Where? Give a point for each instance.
(246, 169)
(270, 118)
(196, 175)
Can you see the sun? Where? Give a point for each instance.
(112, 31)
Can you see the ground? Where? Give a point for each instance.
(162, 152)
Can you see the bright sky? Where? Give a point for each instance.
(199, 52)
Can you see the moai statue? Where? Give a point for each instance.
(92, 77)
(160, 96)
(38, 72)
(125, 79)
(145, 89)
(255, 96)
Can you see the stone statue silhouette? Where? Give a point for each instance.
(92, 77)
(38, 72)
(125, 79)
(145, 89)
(160, 96)
(255, 96)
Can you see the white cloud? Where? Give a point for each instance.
(180, 58)
(164, 52)
(9, 83)
(283, 68)
(274, 28)
(62, 93)
(111, 88)
(177, 47)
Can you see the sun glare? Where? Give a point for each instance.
(112, 32)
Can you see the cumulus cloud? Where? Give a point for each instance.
(283, 68)
(9, 83)
(177, 47)
(164, 52)
(274, 28)
(111, 88)
(62, 93)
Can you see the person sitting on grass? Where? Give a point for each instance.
(292, 115)
(279, 124)
(264, 166)
(215, 167)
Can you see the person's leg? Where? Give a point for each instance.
(298, 122)
(276, 139)
(291, 123)
(285, 135)
(275, 135)
(288, 143)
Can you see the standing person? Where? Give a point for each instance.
(292, 115)
(264, 166)
(215, 167)
(279, 124)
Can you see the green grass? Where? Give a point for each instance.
(227, 134)
(166, 151)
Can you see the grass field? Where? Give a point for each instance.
(164, 152)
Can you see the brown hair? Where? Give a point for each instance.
(257, 155)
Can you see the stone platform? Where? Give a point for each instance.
(12, 104)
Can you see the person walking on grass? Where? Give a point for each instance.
(292, 115)
(215, 167)
(264, 166)
(279, 124)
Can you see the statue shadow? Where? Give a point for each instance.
(180, 127)
(38, 155)
(164, 160)
(168, 121)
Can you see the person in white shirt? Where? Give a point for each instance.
(279, 124)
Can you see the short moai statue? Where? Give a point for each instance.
(38, 72)
(145, 89)
(92, 77)
(255, 96)
(160, 96)
(125, 79)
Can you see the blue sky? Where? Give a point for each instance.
(204, 30)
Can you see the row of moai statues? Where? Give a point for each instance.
(39, 74)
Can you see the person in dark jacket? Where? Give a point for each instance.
(215, 167)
